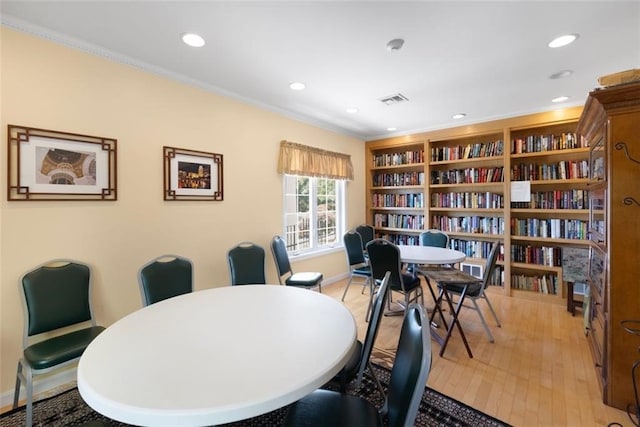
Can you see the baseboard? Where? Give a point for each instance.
(43, 386)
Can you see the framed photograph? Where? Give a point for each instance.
(192, 175)
(50, 165)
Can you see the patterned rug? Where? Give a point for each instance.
(436, 409)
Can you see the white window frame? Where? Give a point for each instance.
(314, 246)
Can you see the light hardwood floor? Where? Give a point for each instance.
(539, 371)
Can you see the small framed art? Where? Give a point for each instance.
(51, 165)
(192, 175)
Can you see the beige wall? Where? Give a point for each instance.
(50, 86)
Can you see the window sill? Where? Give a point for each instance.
(300, 256)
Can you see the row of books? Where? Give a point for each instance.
(569, 199)
(469, 151)
(391, 200)
(550, 228)
(407, 222)
(467, 176)
(539, 255)
(400, 158)
(468, 224)
(570, 169)
(545, 284)
(398, 179)
(474, 248)
(469, 200)
(401, 239)
(540, 143)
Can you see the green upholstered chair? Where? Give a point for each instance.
(434, 238)
(367, 233)
(59, 322)
(246, 264)
(307, 279)
(385, 256)
(164, 277)
(406, 386)
(358, 267)
(360, 358)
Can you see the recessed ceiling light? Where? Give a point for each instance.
(561, 74)
(193, 40)
(297, 86)
(563, 40)
(560, 99)
(391, 129)
(395, 44)
(459, 115)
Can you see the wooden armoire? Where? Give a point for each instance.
(611, 123)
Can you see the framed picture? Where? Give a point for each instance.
(50, 165)
(192, 175)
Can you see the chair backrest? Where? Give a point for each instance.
(279, 250)
(385, 256)
(367, 233)
(56, 294)
(490, 265)
(246, 264)
(410, 370)
(374, 324)
(164, 277)
(434, 238)
(353, 247)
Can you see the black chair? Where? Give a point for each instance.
(360, 359)
(246, 264)
(358, 267)
(406, 387)
(59, 322)
(164, 277)
(367, 233)
(283, 267)
(385, 256)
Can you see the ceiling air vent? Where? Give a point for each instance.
(394, 99)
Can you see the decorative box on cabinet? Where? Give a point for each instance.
(610, 123)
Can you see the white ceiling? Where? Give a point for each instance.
(486, 59)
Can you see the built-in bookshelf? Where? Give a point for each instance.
(460, 181)
(396, 200)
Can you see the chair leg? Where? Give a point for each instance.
(495, 316)
(375, 378)
(484, 322)
(29, 380)
(347, 288)
(16, 394)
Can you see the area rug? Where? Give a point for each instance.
(436, 409)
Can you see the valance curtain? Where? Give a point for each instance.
(298, 159)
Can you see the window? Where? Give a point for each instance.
(313, 213)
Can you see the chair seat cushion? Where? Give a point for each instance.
(329, 408)
(362, 271)
(410, 283)
(60, 349)
(304, 279)
(473, 289)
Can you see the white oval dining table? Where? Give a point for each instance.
(216, 356)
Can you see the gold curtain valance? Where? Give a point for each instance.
(298, 159)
